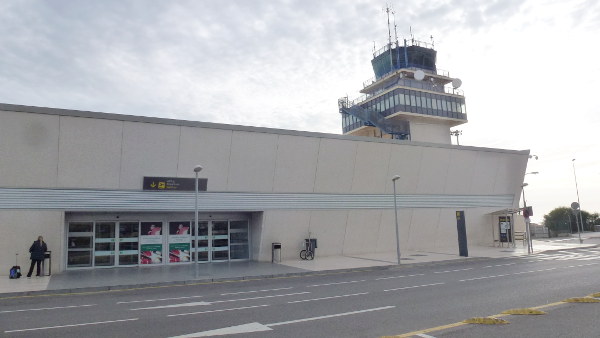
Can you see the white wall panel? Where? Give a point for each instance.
(405, 161)
(286, 227)
(460, 170)
(370, 169)
(484, 175)
(19, 228)
(329, 228)
(89, 153)
(252, 164)
(210, 148)
(28, 150)
(148, 150)
(335, 169)
(434, 170)
(362, 231)
(296, 164)
(424, 224)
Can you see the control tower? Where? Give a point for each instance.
(408, 99)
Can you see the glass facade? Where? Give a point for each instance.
(121, 243)
(412, 101)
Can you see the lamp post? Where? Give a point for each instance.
(394, 179)
(527, 222)
(197, 169)
(577, 189)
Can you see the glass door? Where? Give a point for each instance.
(220, 240)
(79, 244)
(104, 244)
(203, 242)
(238, 240)
(128, 244)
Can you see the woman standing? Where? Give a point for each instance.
(37, 250)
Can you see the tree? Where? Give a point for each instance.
(564, 220)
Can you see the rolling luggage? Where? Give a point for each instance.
(15, 271)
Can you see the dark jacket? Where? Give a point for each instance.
(37, 250)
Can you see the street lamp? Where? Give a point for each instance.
(197, 169)
(394, 179)
(577, 189)
(527, 221)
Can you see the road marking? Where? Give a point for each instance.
(382, 278)
(337, 283)
(485, 277)
(242, 292)
(453, 270)
(48, 308)
(172, 306)
(491, 266)
(258, 327)
(157, 300)
(73, 325)
(413, 287)
(323, 298)
(425, 335)
(215, 302)
(222, 310)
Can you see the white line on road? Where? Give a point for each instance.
(337, 283)
(216, 301)
(331, 297)
(157, 300)
(382, 278)
(222, 310)
(491, 266)
(485, 277)
(424, 335)
(453, 270)
(330, 316)
(73, 325)
(242, 292)
(413, 287)
(258, 327)
(48, 308)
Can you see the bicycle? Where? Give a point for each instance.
(308, 253)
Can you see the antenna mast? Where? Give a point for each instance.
(389, 10)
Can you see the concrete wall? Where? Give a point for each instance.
(63, 151)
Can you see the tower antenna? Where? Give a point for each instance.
(389, 10)
(395, 28)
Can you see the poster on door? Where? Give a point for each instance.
(151, 247)
(179, 242)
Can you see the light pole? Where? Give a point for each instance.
(577, 189)
(197, 169)
(394, 179)
(527, 222)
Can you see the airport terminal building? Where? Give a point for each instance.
(108, 190)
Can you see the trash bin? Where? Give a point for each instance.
(47, 256)
(275, 246)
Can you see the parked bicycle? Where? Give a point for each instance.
(308, 253)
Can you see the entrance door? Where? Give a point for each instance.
(104, 244)
(213, 241)
(116, 243)
(220, 240)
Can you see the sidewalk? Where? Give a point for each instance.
(122, 278)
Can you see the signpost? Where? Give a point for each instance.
(462, 234)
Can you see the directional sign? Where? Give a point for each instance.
(173, 183)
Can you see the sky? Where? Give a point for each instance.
(529, 68)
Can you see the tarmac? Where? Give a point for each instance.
(103, 279)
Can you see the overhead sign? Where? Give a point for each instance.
(173, 183)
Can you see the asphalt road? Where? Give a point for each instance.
(362, 303)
